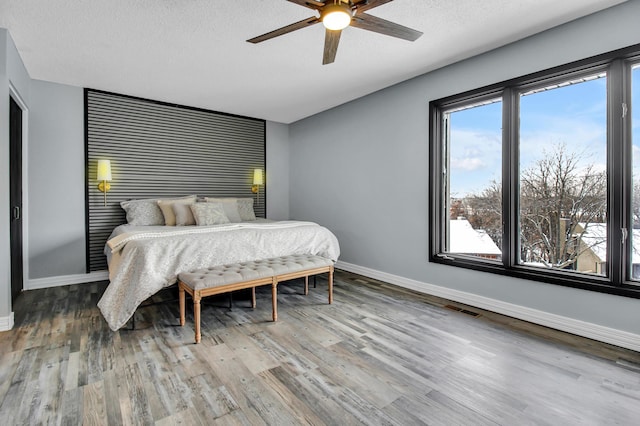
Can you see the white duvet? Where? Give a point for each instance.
(144, 262)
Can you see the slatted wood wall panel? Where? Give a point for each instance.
(160, 150)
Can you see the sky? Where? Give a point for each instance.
(574, 115)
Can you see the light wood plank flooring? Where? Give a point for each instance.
(379, 355)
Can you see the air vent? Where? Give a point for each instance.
(464, 311)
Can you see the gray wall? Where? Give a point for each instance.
(56, 181)
(361, 169)
(277, 175)
(57, 206)
(12, 72)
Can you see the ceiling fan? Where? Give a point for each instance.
(337, 15)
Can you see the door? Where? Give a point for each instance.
(15, 182)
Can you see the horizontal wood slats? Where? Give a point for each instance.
(159, 150)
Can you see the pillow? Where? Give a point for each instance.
(244, 206)
(230, 207)
(184, 216)
(208, 213)
(146, 211)
(143, 212)
(167, 209)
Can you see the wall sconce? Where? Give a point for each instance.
(257, 181)
(104, 177)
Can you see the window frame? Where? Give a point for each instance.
(617, 64)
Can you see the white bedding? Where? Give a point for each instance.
(143, 261)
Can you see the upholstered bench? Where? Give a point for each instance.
(237, 276)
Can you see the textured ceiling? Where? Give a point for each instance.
(193, 52)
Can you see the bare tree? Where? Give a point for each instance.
(635, 207)
(457, 209)
(558, 200)
(485, 211)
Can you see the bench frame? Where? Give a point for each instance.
(197, 295)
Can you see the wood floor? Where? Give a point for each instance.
(379, 355)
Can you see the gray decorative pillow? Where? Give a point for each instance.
(208, 214)
(230, 207)
(143, 212)
(184, 216)
(244, 207)
(146, 212)
(166, 206)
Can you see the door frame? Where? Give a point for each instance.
(13, 92)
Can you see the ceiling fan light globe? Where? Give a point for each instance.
(336, 17)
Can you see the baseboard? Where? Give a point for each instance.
(581, 328)
(6, 323)
(38, 283)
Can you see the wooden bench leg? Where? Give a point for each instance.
(253, 297)
(196, 314)
(306, 285)
(181, 297)
(274, 300)
(331, 285)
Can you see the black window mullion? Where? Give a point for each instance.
(617, 175)
(510, 241)
(437, 189)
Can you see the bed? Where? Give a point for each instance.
(145, 259)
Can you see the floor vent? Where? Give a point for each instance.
(464, 311)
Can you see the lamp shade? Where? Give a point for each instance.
(257, 177)
(104, 170)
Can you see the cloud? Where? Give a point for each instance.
(467, 164)
(475, 159)
(472, 150)
(635, 153)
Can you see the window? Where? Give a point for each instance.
(562, 184)
(539, 177)
(474, 200)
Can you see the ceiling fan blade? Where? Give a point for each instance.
(331, 40)
(311, 4)
(382, 26)
(284, 30)
(364, 5)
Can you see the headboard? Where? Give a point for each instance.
(163, 150)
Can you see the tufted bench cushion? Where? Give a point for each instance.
(247, 271)
(237, 276)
